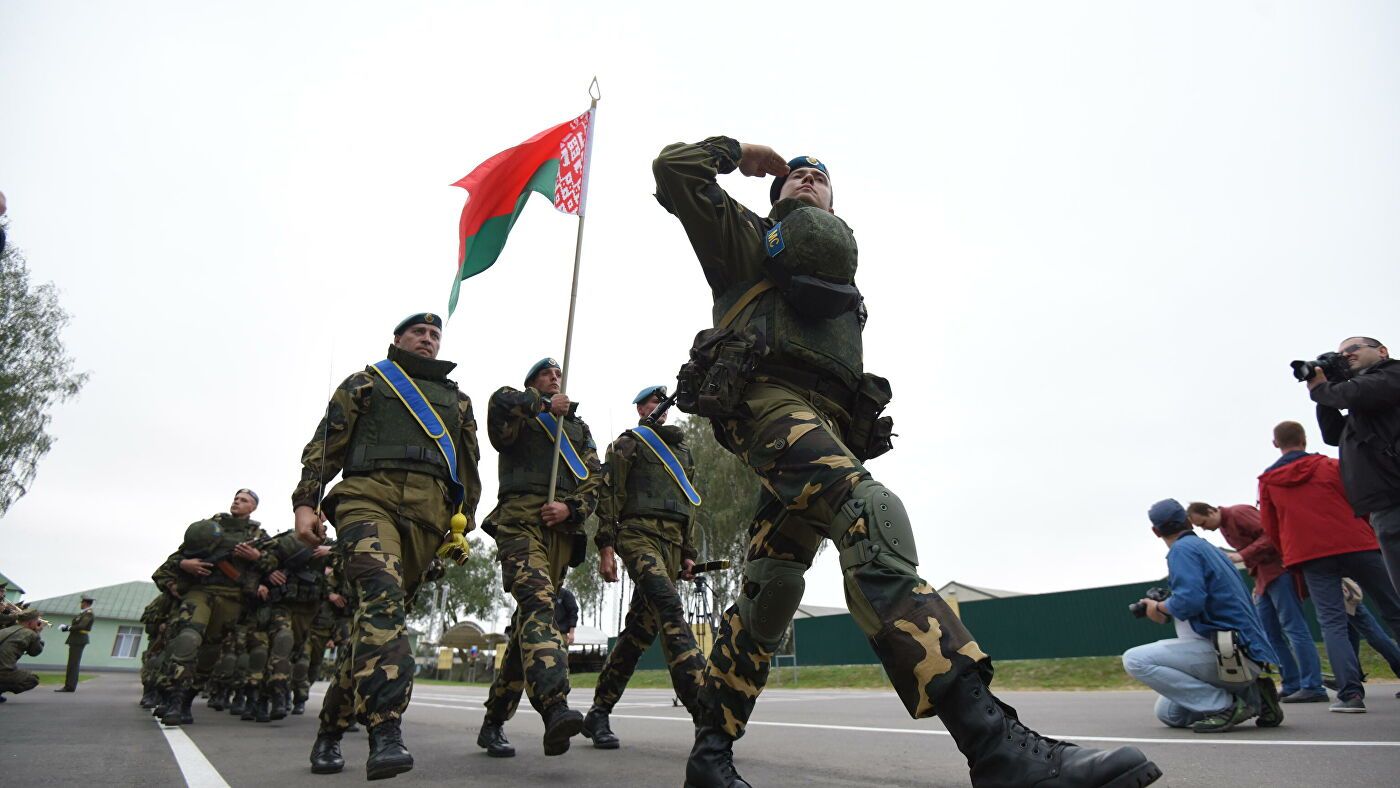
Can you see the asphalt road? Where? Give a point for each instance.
(798, 738)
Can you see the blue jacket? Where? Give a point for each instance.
(1208, 594)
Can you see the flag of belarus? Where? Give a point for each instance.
(553, 163)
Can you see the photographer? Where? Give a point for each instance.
(1207, 598)
(1367, 436)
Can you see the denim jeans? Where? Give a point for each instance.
(1281, 612)
(1366, 626)
(1386, 524)
(1324, 578)
(1183, 672)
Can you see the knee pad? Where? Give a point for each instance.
(770, 596)
(887, 524)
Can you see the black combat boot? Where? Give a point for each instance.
(493, 738)
(250, 703)
(561, 723)
(298, 707)
(1003, 753)
(279, 703)
(163, 698)
(387, 755)
(169, 708)
(595, 727)
(325, 754)
(186, 713)
(218, 699)
(236, 706)
(150, 698)
(711, 763)
(261, 711)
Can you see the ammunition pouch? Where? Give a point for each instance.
(713, 382)
(870, 434)
(811, 296)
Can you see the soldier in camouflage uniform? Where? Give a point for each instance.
(153, 619)
(392, 512)
(306, 663)
(219, 572)
(781, 377)
(20, 638)
(537, 540)
(292, 590)
(646, 518)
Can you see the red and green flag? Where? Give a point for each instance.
(553, 163)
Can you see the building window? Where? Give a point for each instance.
(128, 642)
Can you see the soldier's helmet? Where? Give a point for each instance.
(808, 241)
(202, 538)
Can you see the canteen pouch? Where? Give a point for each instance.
(713, 381)
(870, 434)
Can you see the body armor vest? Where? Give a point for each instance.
(651, 492)
(523, 467)
(388, 437)
(233, 533)
(828, 347)
(303, 572)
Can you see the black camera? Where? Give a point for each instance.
(1156, 594)
(1334, 366)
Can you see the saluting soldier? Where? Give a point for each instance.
(647, 517)
(781, 377)
(404, 437)
(537, 540)
(218, 561)
(78, 631)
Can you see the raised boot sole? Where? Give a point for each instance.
(1144, 774)
(389, 767)
(556, 737)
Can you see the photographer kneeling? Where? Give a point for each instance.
(1209, 675)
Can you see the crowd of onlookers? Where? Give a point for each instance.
(1324, 529)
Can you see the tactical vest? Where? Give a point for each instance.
(523, 467)
(303, 580)
(651, 492)
(235, 532)
(388, 437)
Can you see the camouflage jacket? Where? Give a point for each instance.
(623, 455)
(509, 413)
(16, 641)
(417, 497)
(238, 530)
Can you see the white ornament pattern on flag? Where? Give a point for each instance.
(573, 148)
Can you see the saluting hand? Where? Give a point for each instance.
(757, 161)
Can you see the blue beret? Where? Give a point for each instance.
(540, 366)
(646, 393)
(427, 318)
(251, 494)
(797, 163)
(1166, 512)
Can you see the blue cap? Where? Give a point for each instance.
(540, 366)
(798, 163)
(1166, 512)
(646, 394)
(422, 317)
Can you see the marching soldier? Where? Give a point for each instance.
(17, 640)
(404, 437)
(78, 631)
(537, 540)
(647, 516)
(292, 591)
(218, 561)
(306, 667)
(781, 378)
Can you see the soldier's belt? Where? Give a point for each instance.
(837, 394)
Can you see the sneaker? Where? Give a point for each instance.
(1348, 706)
(1225, 719)
(1305, 696)
(1270, 712)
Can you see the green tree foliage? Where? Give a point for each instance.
(473, 589)
(35, 373)
(730, 492)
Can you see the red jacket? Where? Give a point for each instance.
(1240, 527)
(1304, 510)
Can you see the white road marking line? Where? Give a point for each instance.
(1070, 737)
(197, 770)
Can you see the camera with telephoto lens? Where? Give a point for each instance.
(1334, 366)
(1156, 594)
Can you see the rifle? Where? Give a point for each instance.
(710, 566)
(654, 417)
(223, 560)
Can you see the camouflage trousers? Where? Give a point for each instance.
(306, 662)
(226, 675)
(257, 643)
(15, 681)
(534, 559)
(204, 616)
(808, 474)
(287, 633)
(653, 564)
(384, 558)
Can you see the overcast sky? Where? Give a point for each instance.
(1092, 234)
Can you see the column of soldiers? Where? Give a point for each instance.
(780, 376)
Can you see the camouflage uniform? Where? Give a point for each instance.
(646, 518)
(17, 640)
(293, 606)
(154, 619)
(391, 511)
(534, 557)
(799, 397)
(338, 707)
(306, 663)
